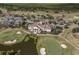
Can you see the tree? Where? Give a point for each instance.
(3, 52)
(57, 30)
(75, 21)
(0, 12)
(75, 30)
(66, 26)
(33, 37)
(43, 16)
(33, 16)
(11, 52)
(50, 17)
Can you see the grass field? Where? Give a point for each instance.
(52, 46)
(54, 6)
(51, 43)
(10, 34)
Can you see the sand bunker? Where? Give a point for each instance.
(63, 46)
(19, 32)
(10, 42)
(42, 51)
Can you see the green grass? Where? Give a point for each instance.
(10, 34)
(65, 6)
(52, 46)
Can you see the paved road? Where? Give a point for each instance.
(46, 35)
(68, 40)
(61, 36)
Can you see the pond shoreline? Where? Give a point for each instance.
(23, 46)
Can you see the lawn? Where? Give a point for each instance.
(42, 5)
(10, 34)
(52, 46)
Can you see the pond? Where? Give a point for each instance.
(26, 48)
